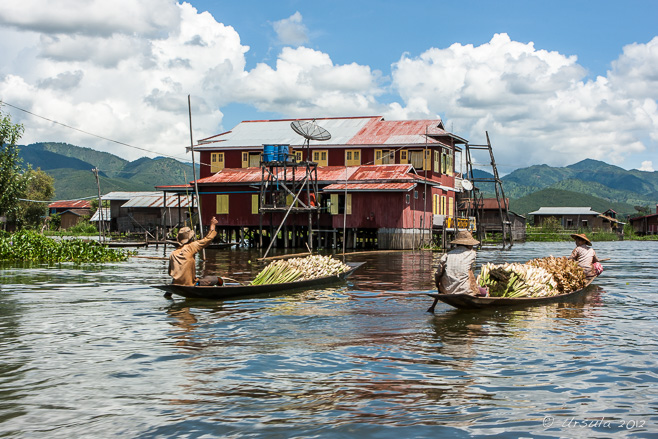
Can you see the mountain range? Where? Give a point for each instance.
(588, 183)
(71, 167)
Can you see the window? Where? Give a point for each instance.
(254, 204)
(216, 162)
(408, 198)
(449, 163)
(435, 204)
(451, 206)
(437, 161)
(254, 160)
(245, 159)
(443, 205)
(353, 157)
(339, 204)
(384, 157)
(416, 159)
(222, 204)
(403, 157)
(320, 157)
(415, 195)
(298, 156)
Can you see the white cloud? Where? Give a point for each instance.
(124, 70)
(291, 31)
(536, 105)
(305, 82)
(647, 166)
(116, 83)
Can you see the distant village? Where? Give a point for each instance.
(363, 183)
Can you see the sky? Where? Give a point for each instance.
(550, 82)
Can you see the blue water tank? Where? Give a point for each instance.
(269, 153)
(283, 153)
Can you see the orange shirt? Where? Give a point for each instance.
(182, 261)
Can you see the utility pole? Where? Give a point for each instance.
(101, 235)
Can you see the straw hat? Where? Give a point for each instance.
(581, 236)
(464, 238)
(185, 235)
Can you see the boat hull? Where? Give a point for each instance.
(235, 291)
(465, 301)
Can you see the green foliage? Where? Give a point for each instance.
(82, 228)
(12, 184)
(30, 246)
(39, 187)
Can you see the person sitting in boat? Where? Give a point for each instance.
(182, 261)
(456, 273)
(584, 254)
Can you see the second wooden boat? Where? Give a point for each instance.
(465, 301)
(234, 291)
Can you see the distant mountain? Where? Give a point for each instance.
(71, 167)
(587, 183)
(562, 198)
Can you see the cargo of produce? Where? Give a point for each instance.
(298, 269)
(537, 278)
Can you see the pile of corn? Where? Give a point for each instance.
(297, 269)
(536, 278)
(566, 272)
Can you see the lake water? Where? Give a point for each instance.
(94, 351)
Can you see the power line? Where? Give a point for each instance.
(87, 132)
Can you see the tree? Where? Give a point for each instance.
(39, 186)
(12, 183)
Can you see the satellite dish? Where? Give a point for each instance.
(467, 185)
(310, 130)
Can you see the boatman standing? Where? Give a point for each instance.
(182, 261)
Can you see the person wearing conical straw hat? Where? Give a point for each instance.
(182, 261)
(455, 275)
(584, 254)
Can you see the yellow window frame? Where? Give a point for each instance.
(320, 156)
(245, 159)
(352, 157)
(216, 162)
(254, 204)
(222, 204)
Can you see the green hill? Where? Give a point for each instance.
(71, 167)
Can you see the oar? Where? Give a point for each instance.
(431, 308)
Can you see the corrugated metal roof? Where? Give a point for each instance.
(370, 187)
(371, 130)
(70, 204)
(398, 132)
(78, 212)
(97, 215)
(564, 211)
(157, 201)
(326, 174)
(113, 196)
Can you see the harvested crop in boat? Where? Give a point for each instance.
(536, 278)
(517, 280)
(566, 272)
(297, 269)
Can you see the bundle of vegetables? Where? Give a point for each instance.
(517, 280)
(566, 272)
(297, 269)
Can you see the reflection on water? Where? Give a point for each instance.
(94, 351)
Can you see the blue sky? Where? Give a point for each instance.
(552, 82)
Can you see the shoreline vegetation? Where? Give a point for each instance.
(30, 246)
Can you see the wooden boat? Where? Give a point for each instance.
(465, 301)
(233, 291)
